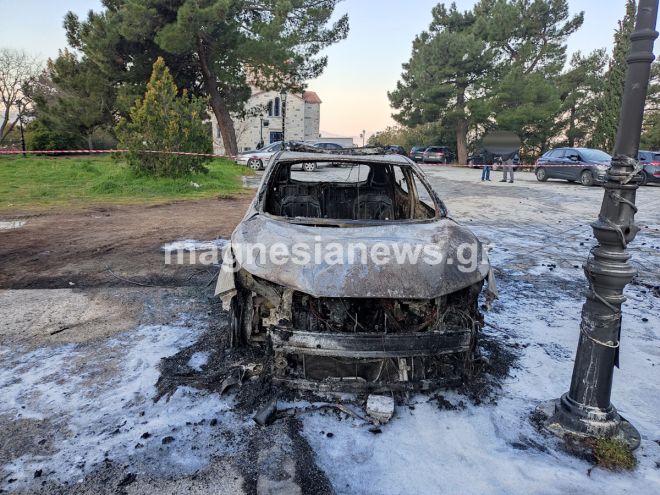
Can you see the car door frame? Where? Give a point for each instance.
(553, 168)
(572, 169)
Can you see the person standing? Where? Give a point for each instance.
(507, 168)
(488, 165)
(485, 174)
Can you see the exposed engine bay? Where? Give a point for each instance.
(357, 345)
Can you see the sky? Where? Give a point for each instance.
(361, 69)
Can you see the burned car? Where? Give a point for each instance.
(307, 276)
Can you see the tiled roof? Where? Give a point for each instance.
(311, 97)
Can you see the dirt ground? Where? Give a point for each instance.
(85, 355)
(63, 250)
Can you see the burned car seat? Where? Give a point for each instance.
(374, 206)
(301, 206)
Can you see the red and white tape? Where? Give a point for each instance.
(87, 152)
(231, 157)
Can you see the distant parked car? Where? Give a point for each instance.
(417, 153)
(328, 146)
(395, 148)
(651, 171)
(258, 159)
(437, 154)
(476, 160)
(585, 165)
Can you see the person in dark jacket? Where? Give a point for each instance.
(488, 165)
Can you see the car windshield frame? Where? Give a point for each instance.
(440, 210)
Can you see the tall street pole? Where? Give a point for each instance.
(586, 410)
(283, 96)
(20, 126)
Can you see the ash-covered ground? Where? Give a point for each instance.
(131, 389)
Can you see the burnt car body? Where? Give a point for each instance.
(353, 327)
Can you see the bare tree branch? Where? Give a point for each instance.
(17, 69)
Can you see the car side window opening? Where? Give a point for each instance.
(369, 192)
(573, 155)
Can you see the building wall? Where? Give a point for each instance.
(302, 122)
(312, 121)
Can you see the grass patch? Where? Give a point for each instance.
(43, 182)
(614, 455)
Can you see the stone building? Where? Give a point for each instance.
(264, 121)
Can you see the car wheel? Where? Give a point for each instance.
(643, 178)
(587, 178)
(309, 167)
(541, 175)
(255, 164)
(240, 318)
(236, 320)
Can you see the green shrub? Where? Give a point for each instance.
(41, 137)
(165, 122)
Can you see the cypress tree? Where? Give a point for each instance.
(615, 80)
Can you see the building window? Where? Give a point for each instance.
(269, 107)
(276, 111)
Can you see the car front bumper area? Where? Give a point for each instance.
(358, 345)
(367, 362)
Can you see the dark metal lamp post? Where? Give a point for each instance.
(283, 103)
(263, 123)
(586, 409)
(21, 107)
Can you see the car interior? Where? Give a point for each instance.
(381, 192)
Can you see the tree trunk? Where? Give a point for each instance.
(218, 103)
(461, 129)
(89, 141)
(571, 128)
(461, 141)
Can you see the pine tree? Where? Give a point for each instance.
(163, 121)
(491, 66)
(615, 80)
(215, 48)
(580, 88)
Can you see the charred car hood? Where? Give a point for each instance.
(407, 280)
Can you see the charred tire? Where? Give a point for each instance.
(587, 178)
(238, 318)
(309, 167)
(541, 175)
(643, 178)
(255, 164)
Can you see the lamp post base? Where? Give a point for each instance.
(565, 416)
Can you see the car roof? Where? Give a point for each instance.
(298, 156)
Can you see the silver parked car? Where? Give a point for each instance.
(306, 277)
(258, 159)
